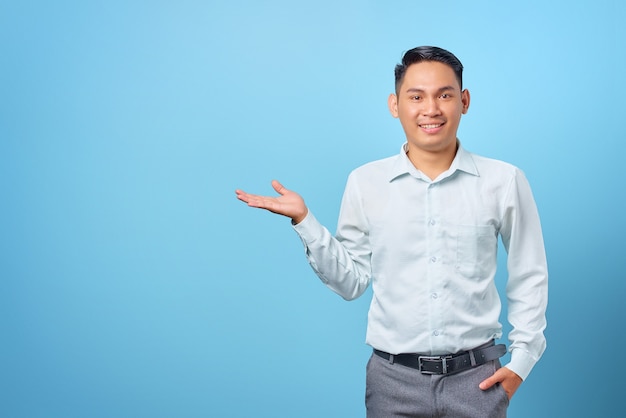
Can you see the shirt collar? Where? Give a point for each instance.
(463, 161)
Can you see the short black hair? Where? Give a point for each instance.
(428, 53)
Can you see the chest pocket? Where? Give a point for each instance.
(476, 247)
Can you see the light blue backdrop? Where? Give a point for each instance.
(134, 284)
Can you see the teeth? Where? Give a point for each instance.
(430, 126)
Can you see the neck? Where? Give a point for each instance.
(432, 163)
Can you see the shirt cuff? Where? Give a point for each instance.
(521, 363)
(309, 228)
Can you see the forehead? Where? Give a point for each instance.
(429, 75)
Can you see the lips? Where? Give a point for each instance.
(431, 128)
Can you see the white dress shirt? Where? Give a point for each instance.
(429, 249)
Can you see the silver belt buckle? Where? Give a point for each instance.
(442, 359)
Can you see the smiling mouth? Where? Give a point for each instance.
(431, 125)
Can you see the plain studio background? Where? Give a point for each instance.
(134, 284)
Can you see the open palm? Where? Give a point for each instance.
(288, 204)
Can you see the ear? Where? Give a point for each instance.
(392, 102)
(465, 99)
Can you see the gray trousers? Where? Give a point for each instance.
(393, 390)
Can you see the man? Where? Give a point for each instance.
(423, 228)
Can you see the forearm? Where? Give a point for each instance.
(344, 272)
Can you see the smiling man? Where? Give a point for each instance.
(429, 102)
(422, 228)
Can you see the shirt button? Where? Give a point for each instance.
(433, 259)
(434, 295)
(436, 332)
(432, 222)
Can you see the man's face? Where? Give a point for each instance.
(429, 104)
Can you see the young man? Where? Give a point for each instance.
(423, 228)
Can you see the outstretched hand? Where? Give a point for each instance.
(288, 204)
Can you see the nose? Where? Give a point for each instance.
(431, 107)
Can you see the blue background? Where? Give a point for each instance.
(134, 284)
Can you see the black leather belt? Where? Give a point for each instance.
(446, 364)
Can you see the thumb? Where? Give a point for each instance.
(489, 382)
(280, 189)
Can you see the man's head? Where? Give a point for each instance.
(429, 100)
(428, 53)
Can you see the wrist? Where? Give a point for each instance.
(299, 218)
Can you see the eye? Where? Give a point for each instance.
(415, 97)
(445, 96)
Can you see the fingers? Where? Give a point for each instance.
(256, 201)
(243, 196)
(280, 189)
(272, 204)
(261, 201)
(252, 200)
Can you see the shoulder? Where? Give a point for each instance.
(494, 167)
(372, 178)
(375, 168)
(497, 176)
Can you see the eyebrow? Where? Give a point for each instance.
(418, 90)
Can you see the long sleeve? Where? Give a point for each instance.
(341, 262)
(527, 286)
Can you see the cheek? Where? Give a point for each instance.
(409, 114)
(456, 112)
(408, 121)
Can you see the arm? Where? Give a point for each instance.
(341, 262)
(527, 286)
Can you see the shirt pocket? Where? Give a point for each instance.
(476, 247)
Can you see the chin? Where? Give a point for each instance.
(434, 145)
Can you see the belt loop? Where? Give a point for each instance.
(472, 358)
(390, 358)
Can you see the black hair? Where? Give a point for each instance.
(428, 53)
